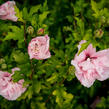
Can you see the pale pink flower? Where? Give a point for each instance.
(38, 48)
(8, 89)
(7, 11)
(91, 65)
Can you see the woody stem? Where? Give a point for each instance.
(32, 68)
(25, 34)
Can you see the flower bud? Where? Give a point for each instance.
(99, 33)
(30, 30)
(3, 66)
(2, 61)
(40, 31)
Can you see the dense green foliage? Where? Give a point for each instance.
(53, 84)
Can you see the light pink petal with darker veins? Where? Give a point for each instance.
(81, 57)
(101, 53)
(90, 50)
(86, 78)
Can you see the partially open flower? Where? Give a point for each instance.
(9, 89)
(7, 11)
(38, 48)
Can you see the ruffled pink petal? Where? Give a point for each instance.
(90, 50)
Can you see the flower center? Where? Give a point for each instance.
(34, 48)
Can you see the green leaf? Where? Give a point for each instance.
(44, 7)
(62, 97)
(70, 18)
(17, 76)
(95, 8)
(34, 21)
(37, 103)
(41, 105)
(79, 6)
(18, 14)
(53, 78)
(16, 34)
(43, 16)
(71, 73)
(88, 34)
(37, 86)
(25, 14)
(80, 23)
(29, 92)
(83, 46)
(34, 9)
(20, 57)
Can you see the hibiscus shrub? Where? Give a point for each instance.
(54, 54)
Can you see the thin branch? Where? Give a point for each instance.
(32, 70)
(32, 67)
(48, 98)
(25, 34)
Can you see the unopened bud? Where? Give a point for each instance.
(99, 33)
(3, 66)
(30, 30)
(40, 31)
(2, 61)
